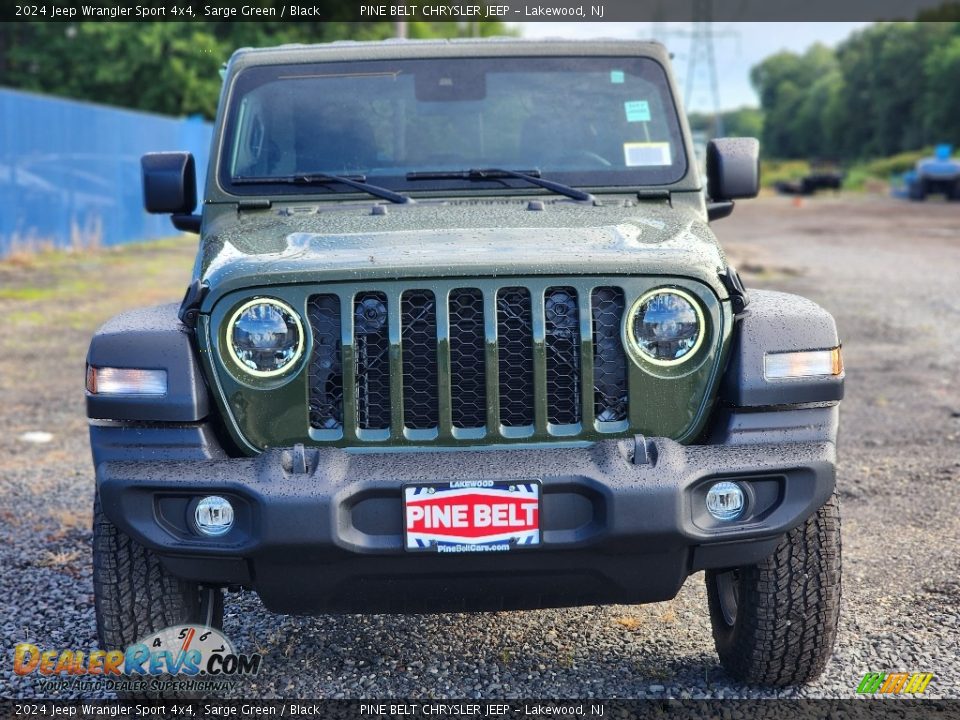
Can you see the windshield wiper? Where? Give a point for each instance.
(355, 181)
(531, 176)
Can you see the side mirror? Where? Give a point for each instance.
(733, 172)
(170, 186)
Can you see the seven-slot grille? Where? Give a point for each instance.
(468, 363)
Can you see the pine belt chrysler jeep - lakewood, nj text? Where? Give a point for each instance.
(459, 337)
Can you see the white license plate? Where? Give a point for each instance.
(471, 516)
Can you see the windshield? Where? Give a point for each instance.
(583, 121)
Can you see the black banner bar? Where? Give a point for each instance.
(476, 10)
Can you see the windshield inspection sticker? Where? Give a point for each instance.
(646, 154)
(616, 77)
(637, 110)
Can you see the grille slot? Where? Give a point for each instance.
(609, 359)
(372, 351)
(326, 374)
(515, 356)
(418, 320)
(468, 367)
(562, 319)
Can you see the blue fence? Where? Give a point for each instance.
(70, 171)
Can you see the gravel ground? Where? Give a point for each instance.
(888, 271)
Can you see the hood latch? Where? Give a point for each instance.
(739, 299)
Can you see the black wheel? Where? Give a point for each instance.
(135, 596)
(775, 623)
(955, 190)
(917, 190)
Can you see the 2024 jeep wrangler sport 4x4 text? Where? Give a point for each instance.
(459, 337)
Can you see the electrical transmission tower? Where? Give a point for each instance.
(701, 50)
(700, 56)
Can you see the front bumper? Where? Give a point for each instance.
(330, 539)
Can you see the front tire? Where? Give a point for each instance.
(775, 623)
(135, 596)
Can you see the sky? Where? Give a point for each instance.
(737, 48)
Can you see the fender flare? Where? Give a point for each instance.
(149, 338)
(779, 322)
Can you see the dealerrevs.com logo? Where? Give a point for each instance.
(898, 683)
(178, 658)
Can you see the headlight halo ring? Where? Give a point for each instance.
(634, 348)
(301, 338)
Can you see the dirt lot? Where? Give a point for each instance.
(888, 270)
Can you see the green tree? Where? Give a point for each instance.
(169, 67)
(889, 88)
(942, 101)
(883, 70)
(783, 82)
(742, 122)
(815, 136)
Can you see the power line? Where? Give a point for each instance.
(701, 35)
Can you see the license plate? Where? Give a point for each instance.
(471, 516)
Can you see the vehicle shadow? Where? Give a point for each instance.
(660, 650)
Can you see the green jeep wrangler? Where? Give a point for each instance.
(459, 337)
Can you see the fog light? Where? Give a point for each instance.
(725, 500)
(214, 515)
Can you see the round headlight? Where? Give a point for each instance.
(665, 326)
(265, 337)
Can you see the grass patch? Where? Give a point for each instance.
(78, 289)
(59, 559)
(774, 171)
(653, 672)
(65, 286)
(52, 257)
(629, 622)
(27, 293)
(866, 175)
(885, 167)
(874, 175)
(24, 319)
(668, 616)
(70, 521)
